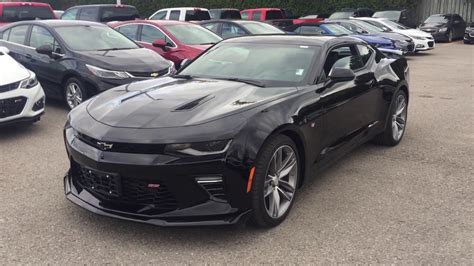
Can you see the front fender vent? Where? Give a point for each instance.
(194, 103)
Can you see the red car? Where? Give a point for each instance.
(174, 40)
(19, 11)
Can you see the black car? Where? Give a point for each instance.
(401, 41)
(469, 35)
(235, 133)
(101, 13)
(225, 13)
(405, 17)
(350, 12)
(444, 27)
(74, 60)
(235, 28)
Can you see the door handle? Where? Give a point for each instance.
(28, 56)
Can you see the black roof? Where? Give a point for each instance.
(292, 39)
(103, 5)
(56, 23)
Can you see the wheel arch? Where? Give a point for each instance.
(73, 74)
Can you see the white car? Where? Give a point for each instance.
(182, 14)
(22, 98)
(423, 41)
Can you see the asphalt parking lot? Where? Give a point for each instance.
(410, 204)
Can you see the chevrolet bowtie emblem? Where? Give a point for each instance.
(154, 75)
(105, 146)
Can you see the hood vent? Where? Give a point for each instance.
(194, 103)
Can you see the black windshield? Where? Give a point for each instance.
(20, 13)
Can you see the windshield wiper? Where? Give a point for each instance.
(246, 81)
(114, 49)
(208, 43)
(183, 77)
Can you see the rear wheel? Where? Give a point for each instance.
(276, 177)
(74, 92)
(396, 124)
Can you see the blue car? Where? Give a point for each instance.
(332, 29)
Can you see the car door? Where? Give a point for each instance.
(349, 105)
(459, 26)
(48, 70)
(15, 39)
(149, 34)
(129, 30)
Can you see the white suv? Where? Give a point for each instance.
(21, 96)
(182, 14)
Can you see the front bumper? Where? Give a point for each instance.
(140, 188)
(469, 37)
(424, 45)
(21, 105)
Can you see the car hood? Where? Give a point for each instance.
(11, 71)
(433, 25)
(373, 39)
(169, 102)
(415, 32)
(132, 60)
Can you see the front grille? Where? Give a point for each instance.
(9, 87)
(125, 192)
(156, 74)
(410, 47)
(430, 44)
(122, 147)
(12, 106)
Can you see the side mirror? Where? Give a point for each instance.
(4, 50)
(46, 50)
(339, 74)
(185, 63)
(160, 44)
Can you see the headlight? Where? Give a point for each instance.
(198, 148)
(108, 74)
(445, 29)
(29, 82)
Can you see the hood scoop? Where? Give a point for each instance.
(194, 103)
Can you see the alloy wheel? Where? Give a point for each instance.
(399, 118)
(280, 182)
(74, 95)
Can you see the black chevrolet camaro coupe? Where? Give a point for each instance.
(235, 133)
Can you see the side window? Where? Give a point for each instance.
(41, 36)
(257, 15)
(70, 14)
(245, 15)
(129, 30)
(5, 35)
(160, 15)
(229, 30)
(364, 53)
(89, 14)
(310, 30)
(344, 57)
(151, 34)
(212, 27)
(174, 15)
(18, 34)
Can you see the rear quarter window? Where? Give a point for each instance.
(197, 15)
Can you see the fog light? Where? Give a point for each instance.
(39, 105)
(214, 185)
(420, 46)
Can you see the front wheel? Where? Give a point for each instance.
(74, 92)
(277, 172)
(397, 121)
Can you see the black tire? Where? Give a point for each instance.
(387, 138)
(260, 216)
(80, 86)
